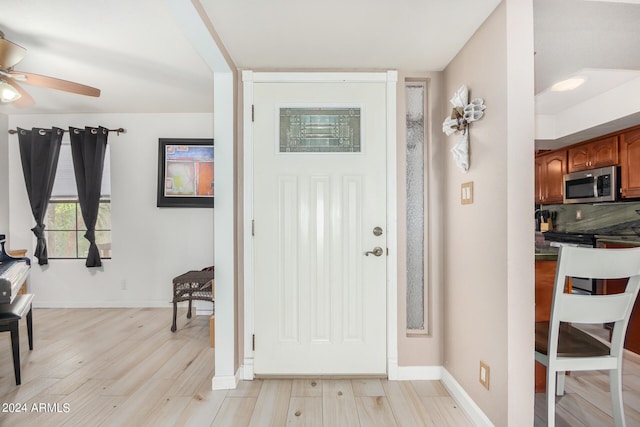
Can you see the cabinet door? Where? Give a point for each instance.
(596, 154)
(539, 173)
(603, 152)
(630, 163)
(555, 165)
(578, 158)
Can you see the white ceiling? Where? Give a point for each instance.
(136, 53)
(593, 39)
(133, 51)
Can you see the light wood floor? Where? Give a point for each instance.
(124, 367)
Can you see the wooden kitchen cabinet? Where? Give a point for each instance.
(595, 154)
(616, 286)
(545, 281)
(549, 170)
(630, 163)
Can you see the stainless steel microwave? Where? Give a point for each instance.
(590, 186)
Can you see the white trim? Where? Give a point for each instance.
(247, 369)
(224, 238)
(247, 86)
(228, 382)
(429, 373)
(392, 226)
(319, 77)
(462, 398)
(390, 78)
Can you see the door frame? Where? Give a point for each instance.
(390, 78)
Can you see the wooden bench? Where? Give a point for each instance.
(10, 315)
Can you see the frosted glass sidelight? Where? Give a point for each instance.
(320, 130)
(415, 96)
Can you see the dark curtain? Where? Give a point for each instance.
(88, 148)
(39, 152)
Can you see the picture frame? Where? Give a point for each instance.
(185, 173)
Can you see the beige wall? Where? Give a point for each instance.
(488, 256)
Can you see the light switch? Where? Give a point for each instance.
(466, 193)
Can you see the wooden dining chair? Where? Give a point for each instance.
(561, 347)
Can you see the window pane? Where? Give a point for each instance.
(61, 216)
(80, 221)
(104, 217)
(65, 182)
(103, 241)
(333, 130)
(415, 206)
(61, 244)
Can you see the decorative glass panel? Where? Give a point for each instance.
(320, 130)
(415, 95)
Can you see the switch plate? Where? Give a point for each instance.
(466, 193)
(484, 374)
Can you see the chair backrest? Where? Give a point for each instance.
(596, 263)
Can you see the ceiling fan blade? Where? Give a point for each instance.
(25, 100)
(10, 54)
(53, 83)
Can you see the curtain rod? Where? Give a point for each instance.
(117, 131)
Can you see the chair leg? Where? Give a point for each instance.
(551, 397)
(189, 311)
(15, 347)
(617, 405)
(175, 313)
(30, 327)
(560, 387)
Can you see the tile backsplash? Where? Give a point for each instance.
(621, 219)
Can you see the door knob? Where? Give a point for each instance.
(377, 251)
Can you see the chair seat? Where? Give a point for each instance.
(572, 342)
(11, 312)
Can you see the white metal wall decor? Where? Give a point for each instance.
(463, 114)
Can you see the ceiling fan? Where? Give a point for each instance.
(11, 91)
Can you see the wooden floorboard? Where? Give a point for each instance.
(124, 367)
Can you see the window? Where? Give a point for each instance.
(65, 227)
(416, 92)
(320, 130)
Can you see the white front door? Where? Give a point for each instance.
(320, 302)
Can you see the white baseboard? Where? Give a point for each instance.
(228, 382)
(38, 303)
(462, 398)
(247, 369)
(407, 373)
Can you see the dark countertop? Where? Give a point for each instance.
(626, 240)
(546, 257)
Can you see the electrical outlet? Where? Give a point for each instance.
(466, 193)
(123, 284)
(484, 374)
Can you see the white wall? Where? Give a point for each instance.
(150, 246)
(4, 175)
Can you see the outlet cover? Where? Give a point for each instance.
(484, 374)
(466, 193)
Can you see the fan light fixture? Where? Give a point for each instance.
(8, 93)
(568, 84)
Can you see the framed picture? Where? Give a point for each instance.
(185, 173)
